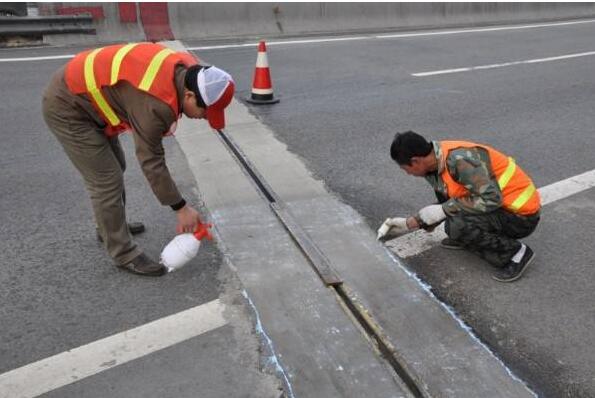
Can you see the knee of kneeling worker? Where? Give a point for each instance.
(455, 227)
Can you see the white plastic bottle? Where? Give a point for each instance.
(184, 247)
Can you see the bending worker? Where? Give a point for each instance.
(486, 199)
(143, 88)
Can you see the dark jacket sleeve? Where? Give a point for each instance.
(150, 119)
(471, 168)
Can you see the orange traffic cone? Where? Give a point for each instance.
(262, 87)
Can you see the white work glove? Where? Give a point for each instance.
(392, 227)
(432, 215)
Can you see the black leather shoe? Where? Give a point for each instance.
(514, 271)
(451, 244)
(134, 228)
(143, 265)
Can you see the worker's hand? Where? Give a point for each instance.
(188, 219)
(412, 223)
(391, 228)
(432, 215)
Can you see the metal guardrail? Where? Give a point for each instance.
(18, 9)
(36, 26)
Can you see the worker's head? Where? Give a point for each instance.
(413, 153)
(208, 91)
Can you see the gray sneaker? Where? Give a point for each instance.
(514, 271)
(143, 265)
(451, 244)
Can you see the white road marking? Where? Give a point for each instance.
(398, 35)
(70, 366)
(479, 30)
(529, 61)
(565, 188)
(419, 241)
(336, 39)
(49, 57)
(276, 43)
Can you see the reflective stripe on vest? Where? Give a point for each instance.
(118, 61)
(519, 194)
(507, 175)
(145, 85)
(148, 67)
(523, 198)
(95, 91)
(153, 68)
(505, 179)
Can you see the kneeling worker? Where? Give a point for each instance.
(143, 88)
(486, 199)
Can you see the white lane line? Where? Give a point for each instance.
(223, 46)
(492, 66)
(347, 38)
(397, 35)
(70, 366)
(419, 241)
(479, 30)
(565, 188)
(276, 43)
(67, 56)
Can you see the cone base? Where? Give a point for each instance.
(259, 99)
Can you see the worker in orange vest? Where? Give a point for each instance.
(143, 88)
(486, 199)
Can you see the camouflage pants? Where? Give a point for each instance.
(492, 236)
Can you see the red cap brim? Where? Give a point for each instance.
(216, 118)
(216, 112)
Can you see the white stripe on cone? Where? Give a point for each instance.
(261, 60)
(262, 91)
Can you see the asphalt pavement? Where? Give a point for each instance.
(341, 103)
(60, 290)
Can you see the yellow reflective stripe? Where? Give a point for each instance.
(508, 173)
(523, 198)
(118, 57)
(95, 92)
(153, 68)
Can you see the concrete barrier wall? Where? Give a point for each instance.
(230, 20)
(109, 28)
(212, 20)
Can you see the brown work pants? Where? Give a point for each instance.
(101, 163)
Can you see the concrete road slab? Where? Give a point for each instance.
(320, 351)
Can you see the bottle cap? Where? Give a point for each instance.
(202, 231)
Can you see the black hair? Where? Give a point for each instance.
(408, 144)
(191, 83)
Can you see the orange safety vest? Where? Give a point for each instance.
(147, 66)
(518, 192)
